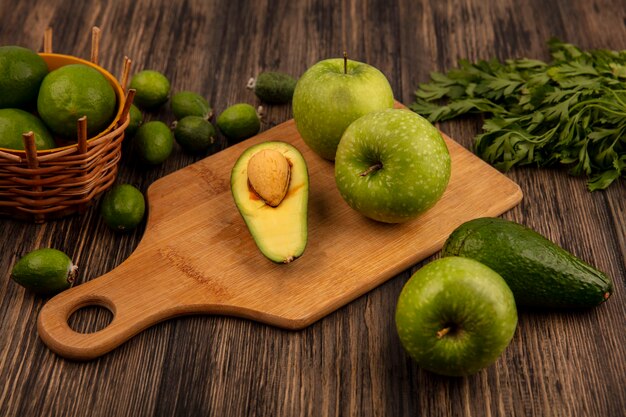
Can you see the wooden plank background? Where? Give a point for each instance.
(349, 363)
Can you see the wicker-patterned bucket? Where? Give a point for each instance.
(40, 185)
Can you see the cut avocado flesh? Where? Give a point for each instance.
(279, 232)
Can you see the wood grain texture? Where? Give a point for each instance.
(350, 363)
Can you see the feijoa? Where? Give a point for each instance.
(239, 122)
(153, 142)
(123, 207)
(188, 103)
(153, 89)
(194, 134)
(274, 87)
(136, 119)
(45, 271)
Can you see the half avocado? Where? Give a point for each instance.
(270, 186)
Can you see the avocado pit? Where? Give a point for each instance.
(269, 173)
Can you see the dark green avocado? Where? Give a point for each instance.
(539, 272)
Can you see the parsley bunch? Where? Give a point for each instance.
(571, 111)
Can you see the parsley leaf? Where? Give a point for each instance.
(570, 111)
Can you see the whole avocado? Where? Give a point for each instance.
(540, 273)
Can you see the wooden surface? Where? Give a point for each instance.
(172, 273)
(349, 363)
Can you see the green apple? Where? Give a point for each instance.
(329, 96)
(392, 165)
(455, 316)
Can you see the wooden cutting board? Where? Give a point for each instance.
(197, 255)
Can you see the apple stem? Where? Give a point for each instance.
(345, 62)
(441, 333)
(371, 169)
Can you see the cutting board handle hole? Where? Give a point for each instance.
(90, 319)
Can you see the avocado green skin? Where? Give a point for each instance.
(540, 273)
(275, 87)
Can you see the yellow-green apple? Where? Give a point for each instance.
(455, 316)
(392, 165)
(332, 94)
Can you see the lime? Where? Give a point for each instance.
(123, 207)
(21, 73)
(194, 134)
(45, 271)
(239, 121)
(154, 142)
(71, 92)
(152, 88)
(136, 119)
(187, 103)
(15, 122)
